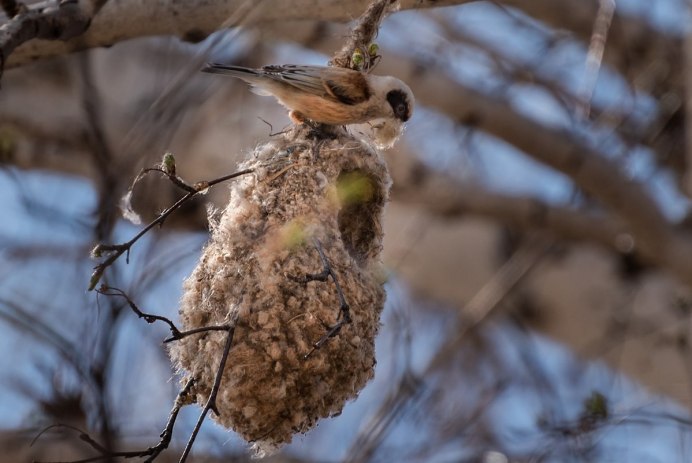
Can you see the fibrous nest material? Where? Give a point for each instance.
(310, 189)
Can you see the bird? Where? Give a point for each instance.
(328, 95)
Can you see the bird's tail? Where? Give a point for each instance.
(235, 71)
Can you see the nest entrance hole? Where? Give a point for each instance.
(361, 199)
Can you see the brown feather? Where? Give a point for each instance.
(346, 86)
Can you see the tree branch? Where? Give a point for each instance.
(11, 7)
(442, 195)
(633, 44)
(191, 20)
(68, 20)
(362, 36)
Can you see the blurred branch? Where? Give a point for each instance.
(688, 109)
(71, 137)
(440, 194)
(635, 48)
(411, 386)
(38, 330)
(11, 7)
(594, 57)
(102, 155)
(67, 20)
(591, 170)
(104, 453)
(444, 195)
(191, 20)
(649, 58)
(516, 72)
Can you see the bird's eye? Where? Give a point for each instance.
(401, 111)
(399, 103)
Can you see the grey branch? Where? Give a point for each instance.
(445, 196)
(67, 20)
(192, 20)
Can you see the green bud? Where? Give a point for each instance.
(97, 251)
(168, 163)
(357, 59)
(596, 406)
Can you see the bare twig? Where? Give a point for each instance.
(149, 318)
(166, 435)
(152, 452)
(117, 250)
(176, 334)
(344, 316)
(211, 402)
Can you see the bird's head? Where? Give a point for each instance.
(397, 98)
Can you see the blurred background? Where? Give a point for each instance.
(538, 238)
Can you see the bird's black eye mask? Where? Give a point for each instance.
(398, 100)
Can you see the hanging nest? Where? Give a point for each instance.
(310, 189)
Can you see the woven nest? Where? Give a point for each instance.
(309, 189)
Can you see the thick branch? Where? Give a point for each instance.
(362, 34)
(193, 20)
(11, 7)
(442, 195)
(68, 20)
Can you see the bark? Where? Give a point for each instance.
(191, 21)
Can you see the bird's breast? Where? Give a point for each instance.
(327, 111)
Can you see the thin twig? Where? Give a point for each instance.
(149, 318)
(170, 174)
(152, 452)
(166, 435)
(211, 402)
(344, 316)
(176, 334)
(118, 250)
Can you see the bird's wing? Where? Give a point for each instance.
(340, 84)
(347, 85)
